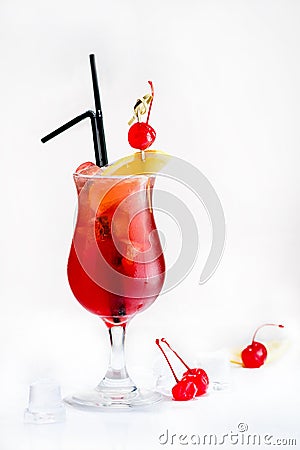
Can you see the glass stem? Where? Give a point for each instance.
(117, 375)
(117, 367)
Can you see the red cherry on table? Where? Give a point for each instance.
(141, 135)
(184, 390)
(194, 382)
(255, 355)
(197, 376)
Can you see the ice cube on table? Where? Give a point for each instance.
(217, 366)
(45, 403)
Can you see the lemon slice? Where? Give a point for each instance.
(139, 163)
(275, 350)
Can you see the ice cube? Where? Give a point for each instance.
(216, 365)
(88, 168)
(45, 403)
(85, 169)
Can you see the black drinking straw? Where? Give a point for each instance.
(96, 122)
(99, 115)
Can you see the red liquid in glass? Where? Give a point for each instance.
(114, 224)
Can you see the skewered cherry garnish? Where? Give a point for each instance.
(256, 353)
(198, 376)
(184, 389)
(141, 135)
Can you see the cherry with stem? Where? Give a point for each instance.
(255, 354)
(199, 376)
(141, 135)
(184, 389)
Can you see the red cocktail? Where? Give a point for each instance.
(116, 265)
(116, 269)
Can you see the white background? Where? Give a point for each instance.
(226, 75)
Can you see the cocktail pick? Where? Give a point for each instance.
(96, 118)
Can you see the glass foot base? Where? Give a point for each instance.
(97, 400)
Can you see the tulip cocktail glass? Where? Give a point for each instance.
(116, 269)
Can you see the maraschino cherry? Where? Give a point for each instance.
(184, 389)
(255, 354)
(141, 135)
(198, 376)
